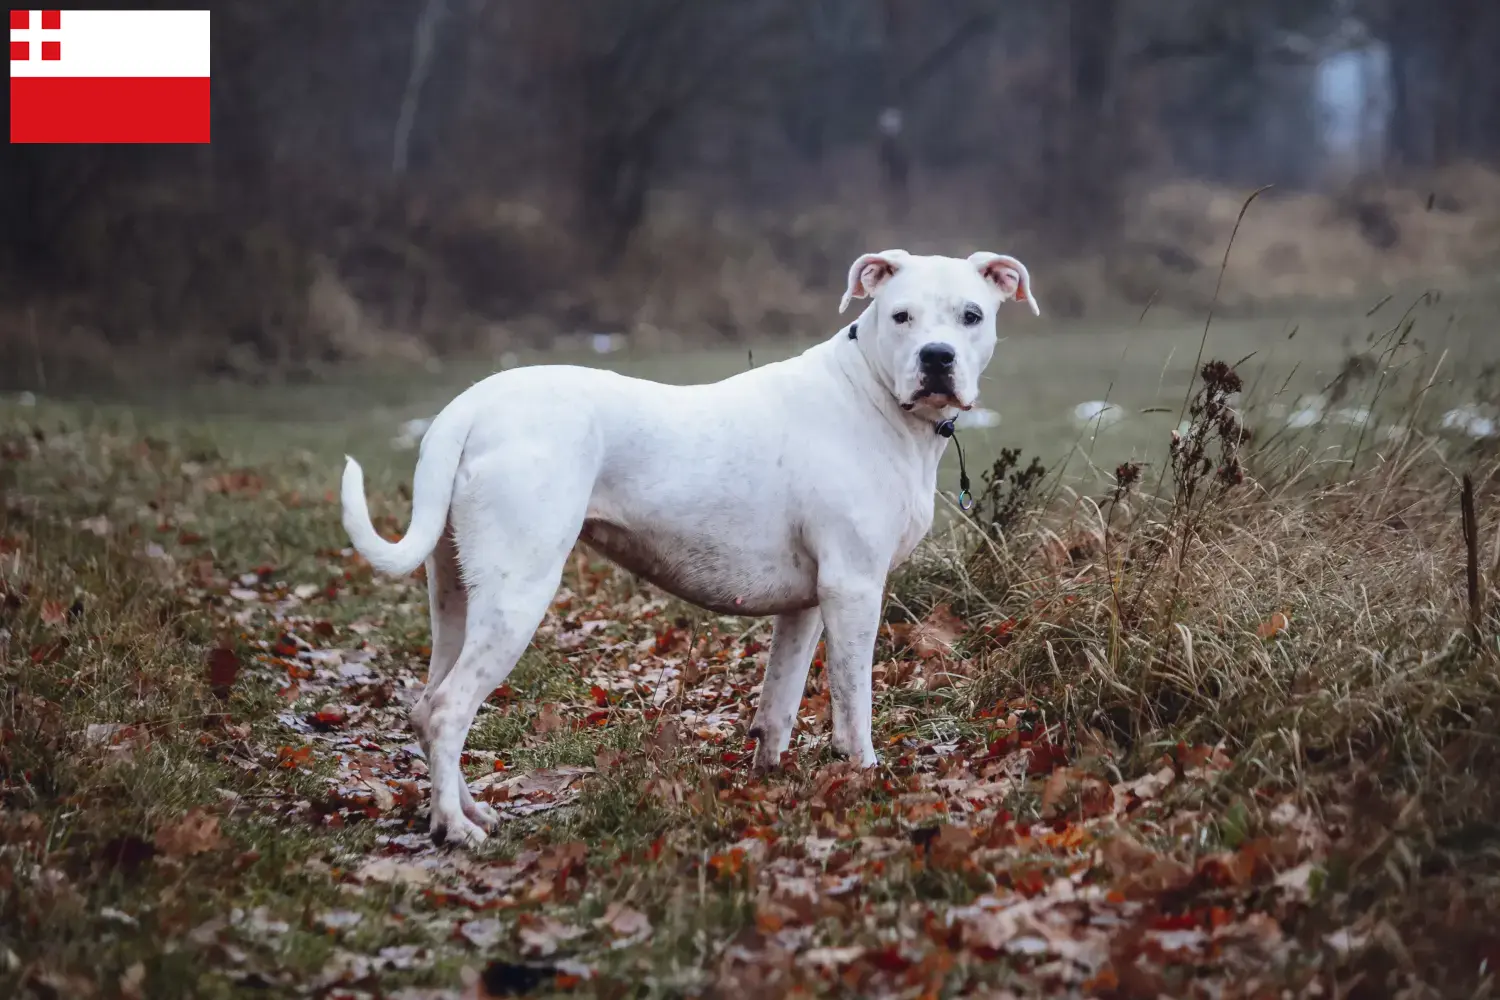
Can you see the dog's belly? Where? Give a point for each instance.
(729, 577)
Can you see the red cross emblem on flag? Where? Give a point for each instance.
(47, 47)
(139, 76)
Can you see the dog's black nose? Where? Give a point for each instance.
(937, 355)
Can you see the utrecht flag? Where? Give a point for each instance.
(109, 76)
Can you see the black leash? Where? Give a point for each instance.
(945, 429)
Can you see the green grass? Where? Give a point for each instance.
(1104, 641)
(1041, 370)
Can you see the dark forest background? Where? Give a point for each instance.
(425, 177)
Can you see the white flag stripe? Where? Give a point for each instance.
(112, 43)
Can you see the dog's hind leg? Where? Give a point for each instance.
(794, 637)
(448, 605)
(515, 547)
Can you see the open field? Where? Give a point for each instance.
(1237, 742)
(1042, 371)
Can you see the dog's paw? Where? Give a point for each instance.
(483, 814)
(765, 761)
(765, 758)
(456, 831)
(862, 752)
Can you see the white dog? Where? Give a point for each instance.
(789, 490)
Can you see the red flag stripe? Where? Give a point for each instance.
(109, 109)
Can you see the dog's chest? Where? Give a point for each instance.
(916, 518)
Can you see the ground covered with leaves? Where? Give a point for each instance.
(1227, 731)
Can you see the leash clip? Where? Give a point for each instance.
(945, 428)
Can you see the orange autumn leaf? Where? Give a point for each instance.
(290, 757)
(193, 833)
(1276, 625)
(936, 634)
(328, 717)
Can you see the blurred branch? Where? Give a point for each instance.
(423, 37)
(975, 28)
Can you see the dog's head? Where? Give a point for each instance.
(931, 328)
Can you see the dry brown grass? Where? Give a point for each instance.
(1328, 245)
(1312, 622)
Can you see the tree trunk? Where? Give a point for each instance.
(424, 40)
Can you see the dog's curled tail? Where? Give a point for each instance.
(432, 491)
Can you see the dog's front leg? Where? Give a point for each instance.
(793, 639)
(851, 615)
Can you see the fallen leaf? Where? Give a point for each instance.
(1057, 783)
(663, 742)
(482, 934)
(1276, 625)
(528, 792)
(1302, 881)
(234, 481)
(194, 833)
(340, 920)
(1148, 786)
(1346, 941)
(941, 672)
(290, 757)
(1227, 869)
(102, 733)
(548, 720)
(1140, 872)
(328, 717)
(936, 634)
(223, 668)
(385, 799)
(541, 935)
(119, 916)
(132, 980)
(952, 846)
(833, 958)
(666, 791)
(606, 760)
(49, 652)
(629, 925)
(988, 924)
(54, 612)
(395, 871)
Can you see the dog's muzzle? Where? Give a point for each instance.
(935, 363)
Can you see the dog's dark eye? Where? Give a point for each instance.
(901, 316)
(972, 316)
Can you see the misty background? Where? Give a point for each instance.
(407, 181)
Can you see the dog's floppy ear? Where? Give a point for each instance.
(869, 272)
(1007, 274)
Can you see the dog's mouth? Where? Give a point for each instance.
(936, 397)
